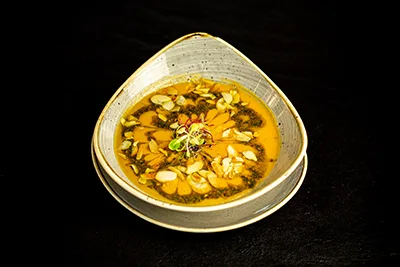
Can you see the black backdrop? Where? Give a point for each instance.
(311, 51)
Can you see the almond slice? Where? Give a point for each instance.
(165, 176)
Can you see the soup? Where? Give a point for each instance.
(200, 142)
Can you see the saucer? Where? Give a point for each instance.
(217, 221)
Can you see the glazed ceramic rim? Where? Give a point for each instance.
(200, 230)
(136, 192)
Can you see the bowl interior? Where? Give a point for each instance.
(213, 58)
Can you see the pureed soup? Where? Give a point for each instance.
(197, 143)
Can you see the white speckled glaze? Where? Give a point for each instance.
(210, 57)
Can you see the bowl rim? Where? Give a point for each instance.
(136, 192)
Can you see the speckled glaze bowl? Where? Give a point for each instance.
(211, 57)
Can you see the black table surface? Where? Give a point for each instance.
(310, 51)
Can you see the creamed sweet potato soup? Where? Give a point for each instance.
(198, 143)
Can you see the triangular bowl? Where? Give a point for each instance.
(211, 57)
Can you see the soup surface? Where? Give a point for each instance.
(200, 142)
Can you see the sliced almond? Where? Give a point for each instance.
(226, 164)
(239, 159)
(163, 151)
(125, 145)
(168, 105)
(199, 184)
(165, 176)
(231, 151)
(236, 98)
(181, 168)
(131, 123)
(162, 117)
(238, 168)
(178, 172)
(140, 152)
(142, 180)
(174, 125)
(227, 97)
(134, 150)
(250, 155)
(175, 109)
(217, 169)
(160, 99)
(241, 137)
(153, 146)
(195, 167)
(220, 107)
(217, 159)
(209, 95)
(203, 173)
(128, 135)
(180, 100)
(248, 133)
(135, 168)
(226, 133)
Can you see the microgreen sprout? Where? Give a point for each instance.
(190, 137)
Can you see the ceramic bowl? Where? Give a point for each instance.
(210, 57)
(212, 221)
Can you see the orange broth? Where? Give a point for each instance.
(198, 143)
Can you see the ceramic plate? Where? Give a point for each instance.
(218, 221)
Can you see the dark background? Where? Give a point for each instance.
(311, 50)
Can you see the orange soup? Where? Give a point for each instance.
(200, 142)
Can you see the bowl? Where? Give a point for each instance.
(212, 221)
(201, 54)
